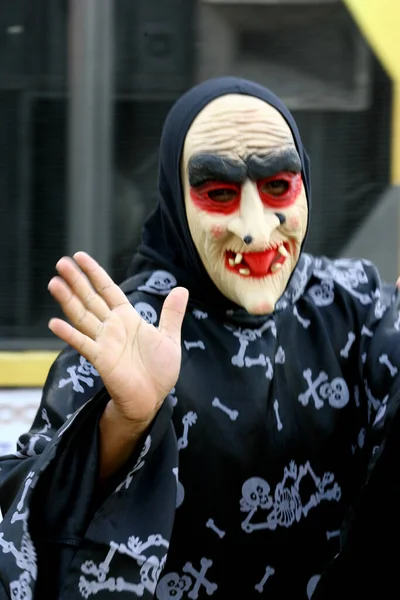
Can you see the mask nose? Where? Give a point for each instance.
(254, 224)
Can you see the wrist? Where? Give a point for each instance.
(118, 439)
(129, 428)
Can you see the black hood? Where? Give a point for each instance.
(166, 240)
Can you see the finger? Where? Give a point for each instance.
(398, 283)
(81, 287)
(172, 314)
(77, 340)
(101, 281)
(73, 308)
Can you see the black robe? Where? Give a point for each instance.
(272, 425)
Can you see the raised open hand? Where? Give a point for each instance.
(138, 363)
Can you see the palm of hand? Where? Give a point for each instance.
(136, 360)
(138, 363)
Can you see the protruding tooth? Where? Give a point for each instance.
(275, 267)
(231, 262)
(244, 271)
(238, 258)
(282, 251)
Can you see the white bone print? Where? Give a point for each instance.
(138, 465)
(146, 311)
(187, 420)
(384, 360)
(246, 336)
(199, 314)
(381, 412)
(232, 414)
(270, 324)
(262, 361)
(360, 440)
(376, 294)
(200, 578)
(172, 586)
(373, 403)
(20, 589)
(336, 392)
(150, 567)
(269, 571)
(303, 322)
(238, 359)
(300, 278)
(78, 375)
(192, 345)
(27, 484)
(312, 392)
(25, 558)
(322, 293)
(269, 373)
(397, 323)
(379, 310)
(255, 495)
(287, 503)
(211, 525)
(172, 397)
(350, 341)
(366, 331)
(349, 274)
(255, 362)
(180, 490)
(332, 534)
(312, 584)
(160, 282)
(278, 420)
(280, 356)
(357, 396)
(47, 424)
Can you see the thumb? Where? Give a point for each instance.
(172, 314)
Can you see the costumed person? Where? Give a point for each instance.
(224, 466)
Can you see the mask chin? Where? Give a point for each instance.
(256, 296)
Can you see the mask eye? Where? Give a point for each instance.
(222, 195)
(277, 187)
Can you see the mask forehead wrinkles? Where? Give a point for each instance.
(237, 126)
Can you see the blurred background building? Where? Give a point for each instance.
(84, 88)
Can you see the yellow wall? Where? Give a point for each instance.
(25, 369)
(379, 20)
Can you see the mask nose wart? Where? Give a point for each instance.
(281, 218)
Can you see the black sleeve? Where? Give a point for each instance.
(53, 509)
(71, 382)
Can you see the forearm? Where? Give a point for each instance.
(118, 440)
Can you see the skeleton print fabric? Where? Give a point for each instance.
(274, 421)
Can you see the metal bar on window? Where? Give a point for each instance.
(90, 140)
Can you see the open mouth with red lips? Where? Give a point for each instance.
(257, 264)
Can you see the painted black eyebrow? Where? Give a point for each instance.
(267, 165)
(203, 168)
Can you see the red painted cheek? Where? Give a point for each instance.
(293, 223)
(217, 231)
